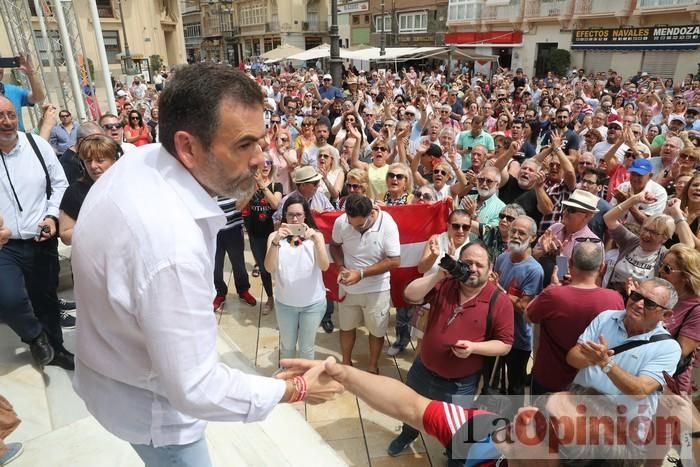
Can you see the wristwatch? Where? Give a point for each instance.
(608, 366)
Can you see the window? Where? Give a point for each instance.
(193, 30)
(378, 23)
(253, 14)
(104, 8)
(462, 10)
(413, 22)
(355, 20)
(112, 46)
(366, 19)
(45, 47)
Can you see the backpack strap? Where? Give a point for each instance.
(49, 190)
(494, 296)
(633, 344)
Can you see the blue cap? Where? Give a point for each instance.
(641, 167)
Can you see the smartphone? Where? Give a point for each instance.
(562, 267)
(671, 383)
(296, 229)
(9, 62)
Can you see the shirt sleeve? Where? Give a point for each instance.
(540, 308)
(174, 314)
(664, 359)
(503, 320)
(392, 245)
(435, 421)
(336, 236)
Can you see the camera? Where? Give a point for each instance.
(456, 269)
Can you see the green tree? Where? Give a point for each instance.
(559, 61)
(156, 64)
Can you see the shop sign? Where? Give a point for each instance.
(647, 37)
(353, 7)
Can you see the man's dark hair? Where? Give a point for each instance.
(477, 119)
(477, 244)
(320, 123)
(358, 206)
(191, 101)
(106, 116)
(562, 110)
(601, 177)
(296, 198)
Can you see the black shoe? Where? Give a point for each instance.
(327, 326)
(398, 444)
(63, 359)
(67, 321)
(41, 350)
(65, 305)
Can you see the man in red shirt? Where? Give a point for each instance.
(456, 338)
(564, 312)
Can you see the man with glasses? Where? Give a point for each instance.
(636, 372)
(306, 178)
(455, 343)
(328, 92)
(114, 128)
(575, 304)
(594, 180)
(64, 134)
(485, 205)
(364, 247)
(290, 120)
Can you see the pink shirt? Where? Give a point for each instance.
(567, 240)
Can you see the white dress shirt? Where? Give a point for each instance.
(22, 168)
(143, 261)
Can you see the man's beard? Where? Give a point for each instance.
(474, 280)
(485, 193)
(241, 188)
(516, 246)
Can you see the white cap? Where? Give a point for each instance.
(327, 76)
(121, 93)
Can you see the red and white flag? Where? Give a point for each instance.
(416, 223)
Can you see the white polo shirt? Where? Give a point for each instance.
(362, 250)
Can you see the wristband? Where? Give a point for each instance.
(277, 244)
(695, 434)
(362, 274)
(682, 219)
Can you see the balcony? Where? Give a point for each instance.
(502, 13)
(105, 11)
(315, 26)
(273, 26)
(548, 8)
(655, 4)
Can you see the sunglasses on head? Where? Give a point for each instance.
(112, 126)
(395, 175)
(458, 226)
(507, 217)
(649, 304)
(440, 172)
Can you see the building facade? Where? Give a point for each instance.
(408, 22)
(660, 37)
(192, 29)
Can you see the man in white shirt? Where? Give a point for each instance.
(31, 187)
(364, 247)
(114, 128)
(143, 261)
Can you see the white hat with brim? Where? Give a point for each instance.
(305, 174)
(583, 200)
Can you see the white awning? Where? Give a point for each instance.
(320, 51)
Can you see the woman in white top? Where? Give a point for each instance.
(450, 242)
(332, 173)
(296, 263)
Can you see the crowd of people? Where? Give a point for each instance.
(573, 232)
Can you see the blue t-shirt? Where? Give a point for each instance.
(330, 93)
(523, 278)
(19, 98)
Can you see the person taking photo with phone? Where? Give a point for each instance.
(296, 257)
(19, 96)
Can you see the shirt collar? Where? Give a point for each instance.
(620, 319)
(195, 198)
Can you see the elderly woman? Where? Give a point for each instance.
(449, 242)
(377, 169)
(297, 260)
(332, 173)
(640, 255)
(284, 159)
(681, 267)
(357, 183)
(399, 185)
(97, 153)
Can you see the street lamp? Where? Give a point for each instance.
(382, 37)
(336, 63)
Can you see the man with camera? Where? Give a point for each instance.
(457, 337)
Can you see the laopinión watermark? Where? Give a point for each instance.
(572, 425)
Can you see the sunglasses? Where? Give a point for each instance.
(440, 172)
(665, 268)
(395, 175)
(284, 140)
(267, 163)
(685, 157)
(316, 106)
(649, 304)
(587, 239)
(134, 118)
(458, 226)
(482, 180)
(424, 195)
(381, 148)
(112, 126)
(307, 124)
(353, 186)
(64, 115)
(275, 121)
(507, 217)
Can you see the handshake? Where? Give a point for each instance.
(319, 380)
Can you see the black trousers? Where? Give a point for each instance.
(230, 241)
(28, 283)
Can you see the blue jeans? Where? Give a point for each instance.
(258, 246)
(403, 326)
(230, 241)
(299, 323)
(186, 455)
(425, 383)
(28, 283)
